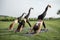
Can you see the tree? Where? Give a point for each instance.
(58, 13)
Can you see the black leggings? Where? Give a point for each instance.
(20, 25)
(44, 25)
(28, 22)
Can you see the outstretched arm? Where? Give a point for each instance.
(40, 26)
(31, 29)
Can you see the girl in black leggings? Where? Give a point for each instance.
(37, 27)
(15, 21)
(22, 22)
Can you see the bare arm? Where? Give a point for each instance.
(40, 26)
(31, 28)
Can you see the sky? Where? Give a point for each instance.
(15, 8)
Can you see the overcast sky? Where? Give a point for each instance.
(15, 8)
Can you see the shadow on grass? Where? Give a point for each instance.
(6, 32)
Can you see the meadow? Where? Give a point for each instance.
(53, 32)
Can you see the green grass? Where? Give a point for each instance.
(53, 33)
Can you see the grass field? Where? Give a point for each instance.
(53, 33)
